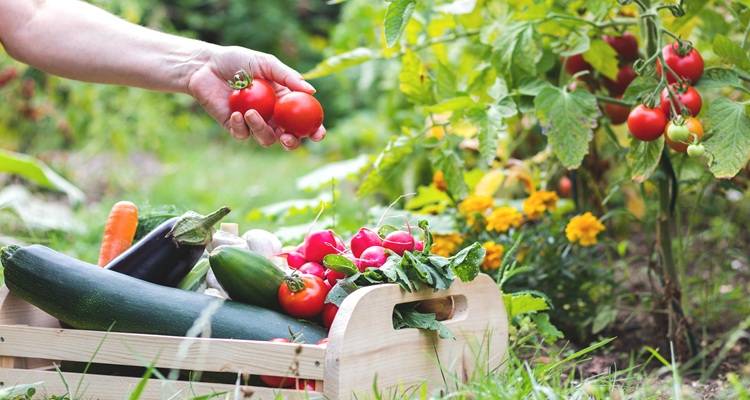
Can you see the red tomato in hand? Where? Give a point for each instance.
(303, 296)
(688, 65)
(298, 113)
(575, 64)
(278, 381)
(645, 123)
(625, 75)
(686, 95)
(329, 314)
(625, 45)
(616, 113)
(255, 94)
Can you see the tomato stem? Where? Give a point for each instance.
(240, 80)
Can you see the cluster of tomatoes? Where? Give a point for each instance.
(674, 113)
(303, 294)
(297, 113)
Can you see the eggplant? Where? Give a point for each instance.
(169, 252)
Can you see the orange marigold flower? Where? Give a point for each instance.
(583, 229)
(493, 256)
(538, 203)
(503, 218)
(438, 179)
(446, 245)
(473, 205)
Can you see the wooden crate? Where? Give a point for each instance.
(363, 348)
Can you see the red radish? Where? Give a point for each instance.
(301, 249)
(419, 245)
(319, 244)
(329, 314)
(373, 257)
(278, 381)
(295, 259)
(306, 384)
(399, 242)
(363, 239)
(313, 268)
(332, 276)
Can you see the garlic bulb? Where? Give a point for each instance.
(227, 235)
(263, 242)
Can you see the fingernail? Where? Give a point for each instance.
(236, 118)
(308, 86)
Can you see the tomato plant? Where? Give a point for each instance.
(249, 93)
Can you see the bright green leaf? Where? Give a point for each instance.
(428, 198)
(729, 144)
(717, 78)
(518, 49)
(452, 104)
(731, 52)
(641, 86)
(603, 58)
(546, 328)
(523, 303)
(413, 79)
(644, 157)
(466, 263)
(491, 127)
(395, 153)
(396, 17)
(340, 264)
(568, 120)
(341, 62)
(39, 173)
(452, 166)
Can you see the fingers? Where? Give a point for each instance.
(319, 134)
(289, 141)
(284, 75)
(236, 126)
(263, 133)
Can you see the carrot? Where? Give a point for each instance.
(119, 231)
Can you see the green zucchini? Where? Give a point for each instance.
(193, 280)
(88, 297)
(247, 276)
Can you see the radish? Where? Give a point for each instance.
(332, 277)
(372, 257)
(419, 245)
(319, 244)
(295, 259)
(363, 239)
(399, 242)
(313, 268)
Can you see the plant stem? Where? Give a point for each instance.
(612, 100)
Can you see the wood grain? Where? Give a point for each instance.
(365, 347)
(104, 387)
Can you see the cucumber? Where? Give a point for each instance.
(88, 297)
(247, 276)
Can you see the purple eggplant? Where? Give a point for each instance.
(167, 253)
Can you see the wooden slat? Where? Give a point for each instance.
(104, 387)
(221, 355)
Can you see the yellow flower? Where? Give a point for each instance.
(446, 245)
(438, 179)
(584, 229)
(503, 218)
(538, 203)
(473, 205)
(493, 256)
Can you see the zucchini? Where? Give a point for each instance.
(196, 277)
(247, 276)
(88, 297)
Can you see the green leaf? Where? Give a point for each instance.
(533, 86)
(643, 158)
(605, 316)
(413, 79)
(731, 52)
(428, 198)
(445, 81)
(568, 119)
(341, 62)
(397, 15)
(39, 173)
(518, 49)
(729, 143)
(576, 43)
(717, 78)
(452, 166)
(640, 87)
(141, 386)
(524, 303)
(603, 58)
(546, 328)
(491, 127)
(452, 104)
(406, 316)
(388, 163)
(342, 288)
(465, 265)
(340, 264)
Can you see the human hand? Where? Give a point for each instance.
(208, 85)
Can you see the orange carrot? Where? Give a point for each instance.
(119, 231)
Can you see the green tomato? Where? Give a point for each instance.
(678, 133)
(696, 150)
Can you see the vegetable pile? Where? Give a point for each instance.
(251, 286)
